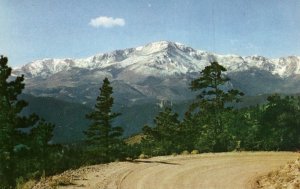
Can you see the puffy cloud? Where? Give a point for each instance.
(107, 22)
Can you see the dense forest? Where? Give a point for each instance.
(210, 124)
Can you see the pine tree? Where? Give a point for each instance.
(280, 123)
(40, 148)
(210, 84)
(11, 123)
(211, 104)
(164, 136)
(101, 135)
(15, 144)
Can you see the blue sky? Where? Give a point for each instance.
(35, 29)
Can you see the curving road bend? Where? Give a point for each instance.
(220, 170)
(234, 170)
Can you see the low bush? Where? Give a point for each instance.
(174, 154)
(185, 152)
(143, 156)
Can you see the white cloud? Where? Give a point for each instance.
(107, 22)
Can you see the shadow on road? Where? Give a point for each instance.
(148, 161)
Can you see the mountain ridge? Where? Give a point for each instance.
(157, 71)
(169, 51)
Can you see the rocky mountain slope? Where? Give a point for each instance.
(157, 71)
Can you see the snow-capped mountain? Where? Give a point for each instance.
(163, 58)
(157, 70)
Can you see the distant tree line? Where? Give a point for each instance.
(211, 124)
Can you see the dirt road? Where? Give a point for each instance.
(221, 170)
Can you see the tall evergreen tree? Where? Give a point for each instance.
(10, 123)
(15, 144)
(211, 84)
(280, 123)
(164, 137)
(101, 135)
(211, 104)
(40, 148)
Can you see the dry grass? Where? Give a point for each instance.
(65, 179)
(286, 177)
(61, 181)
(27, 185)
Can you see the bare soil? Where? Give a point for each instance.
(211, 170)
